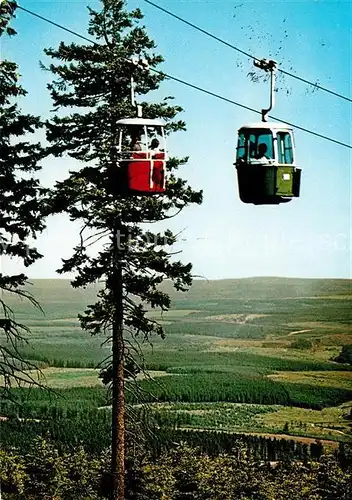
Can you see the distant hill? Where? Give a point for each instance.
(48, 291)
(265, 288)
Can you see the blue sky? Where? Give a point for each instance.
(224, 238)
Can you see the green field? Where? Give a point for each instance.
(251, 354)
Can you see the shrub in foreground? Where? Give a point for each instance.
(43, 473)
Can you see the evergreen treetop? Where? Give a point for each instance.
(90, 93)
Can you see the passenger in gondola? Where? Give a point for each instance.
(136, 144)
(261, 155)
(154, 145)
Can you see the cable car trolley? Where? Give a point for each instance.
(142, 155)
(265, 161)
(139, 166)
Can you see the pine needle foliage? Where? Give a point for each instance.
(21, 216)
(91, 91)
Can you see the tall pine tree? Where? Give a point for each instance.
(20, 205)
(131, 261)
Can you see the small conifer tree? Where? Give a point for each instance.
(21, 216)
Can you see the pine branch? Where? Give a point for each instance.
(21, 210)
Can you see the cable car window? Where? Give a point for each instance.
(124, 141)
(138, 139)
(132, 138)
(284, 145)
(241, 147)
(260, 143)
(155, 138)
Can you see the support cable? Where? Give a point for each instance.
(211, 35)
(195, 87)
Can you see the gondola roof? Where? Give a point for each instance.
(266, 125)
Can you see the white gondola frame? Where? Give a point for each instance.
(141, 123)
(274, 128)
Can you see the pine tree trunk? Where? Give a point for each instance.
(118, 394)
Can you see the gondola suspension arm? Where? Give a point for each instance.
(137, 63)
(268, 66)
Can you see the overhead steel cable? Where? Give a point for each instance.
(211, 35)
(57, 25)
(196, 87)
(200, 89)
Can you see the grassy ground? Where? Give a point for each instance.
(288, 330)
(60, 378)
(68, 378)
(328, 423)
(321, 379)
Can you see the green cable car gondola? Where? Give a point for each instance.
(266, 165)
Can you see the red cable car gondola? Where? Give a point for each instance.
(140, 164)
(142, 155)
